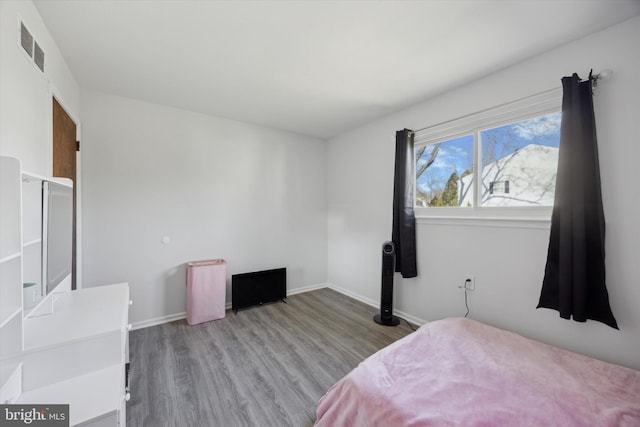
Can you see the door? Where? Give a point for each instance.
(64, 163)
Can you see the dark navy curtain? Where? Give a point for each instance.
(404, 219)
(574, 279)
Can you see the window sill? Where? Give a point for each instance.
(532, 218)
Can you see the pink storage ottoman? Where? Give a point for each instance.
(206, 290)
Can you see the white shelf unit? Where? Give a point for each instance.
(10, 212)
(10, 257)
(11, 378)
(32, 231)
(71, 348)
(10, 277)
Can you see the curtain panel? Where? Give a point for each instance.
(574, 280)
(404, 219)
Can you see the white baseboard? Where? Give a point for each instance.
(158, 321)
(309, 288)
(355, 296)
(409, 318)
(179, 316)
(406, 316)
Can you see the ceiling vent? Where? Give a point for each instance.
(38, 56)
(26, 40)
(31, 47)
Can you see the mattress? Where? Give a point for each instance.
(460, 372)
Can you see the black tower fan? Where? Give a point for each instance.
(386, 316)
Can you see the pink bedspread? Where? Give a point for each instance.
(464, 373)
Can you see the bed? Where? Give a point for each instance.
(460, 372)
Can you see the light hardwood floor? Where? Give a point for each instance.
(265, 366)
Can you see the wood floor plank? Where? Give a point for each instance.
(265, 366)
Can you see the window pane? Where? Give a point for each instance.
(444, 173)
(519, 162)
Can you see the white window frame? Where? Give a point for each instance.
(473, 124)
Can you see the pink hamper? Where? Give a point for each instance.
(206, 289)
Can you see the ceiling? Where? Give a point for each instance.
(317, 68)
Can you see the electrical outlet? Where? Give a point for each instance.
(469, 282)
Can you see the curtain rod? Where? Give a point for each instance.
(548, 91)
(604, 74)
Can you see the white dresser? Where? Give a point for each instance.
(77, 355)
(72, 347)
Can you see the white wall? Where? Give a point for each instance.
(25, 92)
(508, 262)
(218, 188)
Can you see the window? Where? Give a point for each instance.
(519, 162)
(443, 171)
(498, 187)
(494, 160)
